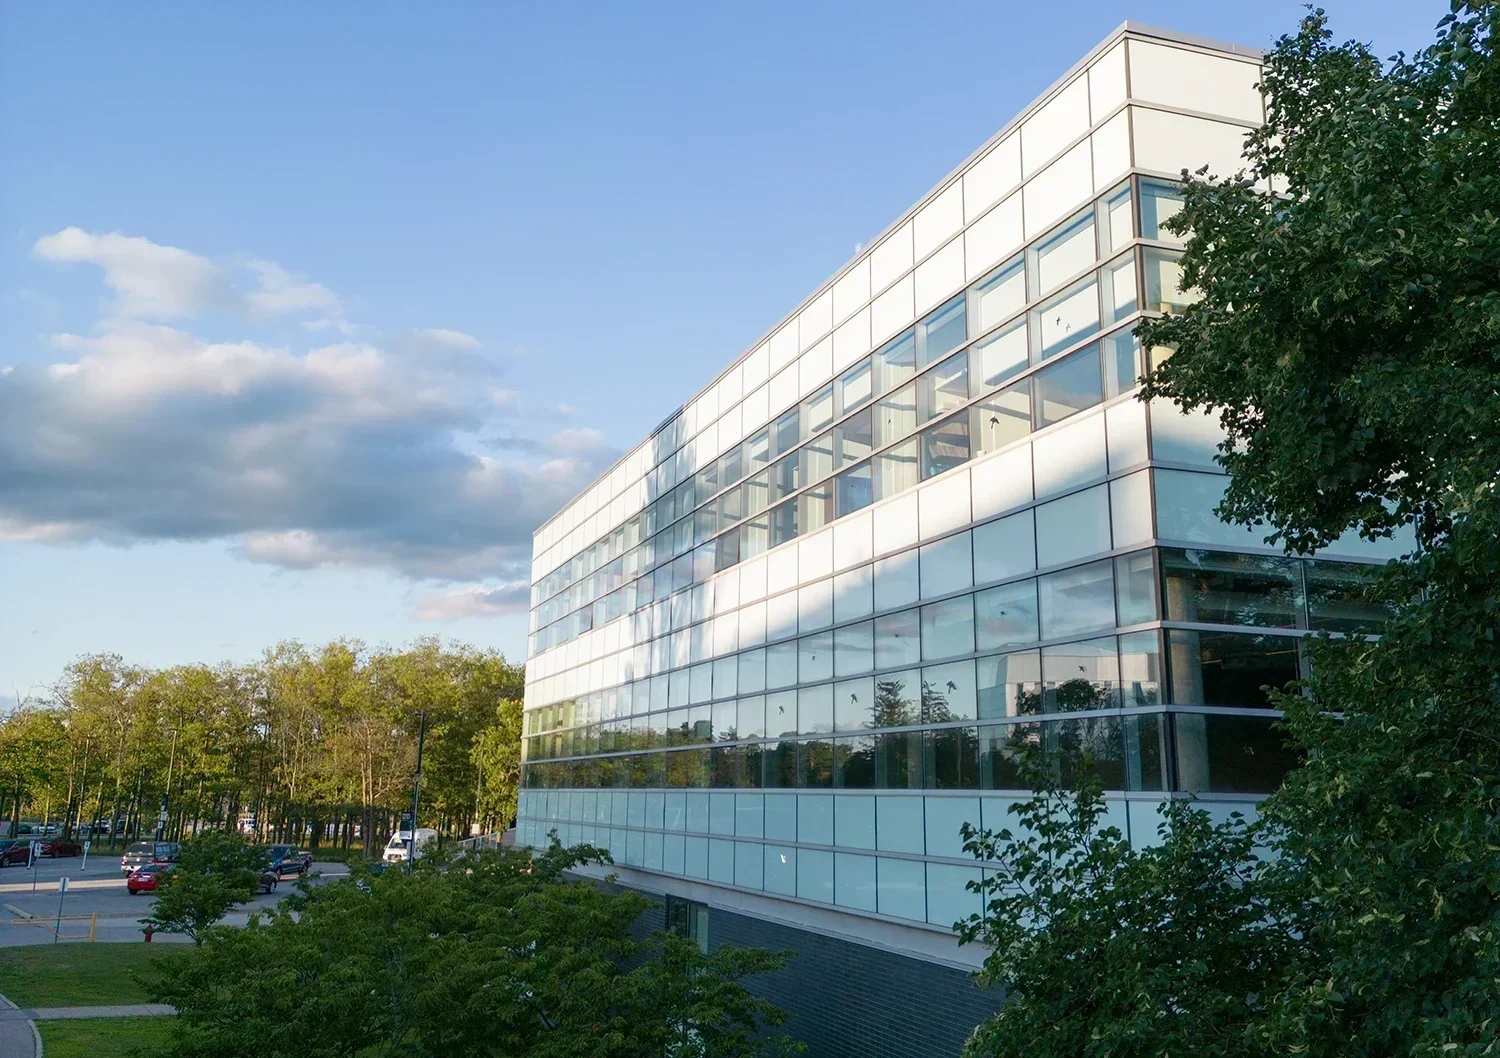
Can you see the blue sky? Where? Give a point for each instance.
(310, 313)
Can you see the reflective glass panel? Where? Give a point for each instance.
(1076, 600)
(895, 470)
(895, 415)
(1009, 684)
(999, 296)
(1078, 676)
(1002, 418)
(1341, 597)
(1068, 387)
(1065, 320)
(945, 445)
(1230, 754)
(999, 357)
(1006, 616)
(941, 333)
(1160, 202)
(1065, 254)
(855, 386)
(943, 389)
(1227, 668)
(1215, 587)
(895, 362)
(1140, 668)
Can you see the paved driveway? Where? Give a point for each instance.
(98, 889)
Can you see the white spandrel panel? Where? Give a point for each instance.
(757, 368)
(816, 320)
(1054, 126)
(815, 366)
(995, 236)
(852, 340)
(1170, 143)
(891, 258)
(938, 221)
(783, 346)
(1209, 84)
(992, 177)
(892, 311)
(852, 290)
(1111, 147)
(939, 276)
(1107, 82)
(1060, 188)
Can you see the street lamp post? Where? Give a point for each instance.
(416, 794)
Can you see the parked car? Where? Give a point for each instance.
(15, 850)
(285, 860)
(146, 878)
(140, 853)
(269, 880)
(396, 850)
(59, 847)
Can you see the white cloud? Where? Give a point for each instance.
(352, 453)
(152, 281)
(474, 601)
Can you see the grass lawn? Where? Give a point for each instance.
(76, 975)
(92, 1037)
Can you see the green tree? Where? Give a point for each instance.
(1348, 338)
(1107, 949)
(497, 756)
(218, 871)
(497, 954)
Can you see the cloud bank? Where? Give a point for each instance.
(406, 454)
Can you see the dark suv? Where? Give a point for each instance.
(140, 853)
(285, 859)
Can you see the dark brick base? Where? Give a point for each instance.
(852, 1001)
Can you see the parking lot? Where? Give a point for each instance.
(96, 899)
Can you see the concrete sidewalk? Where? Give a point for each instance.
(123, 1010)
(18, 1035)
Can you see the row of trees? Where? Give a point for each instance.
(319, 744)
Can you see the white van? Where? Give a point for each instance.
(395, 849)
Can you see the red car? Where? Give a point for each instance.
(146, 879)
(59, 847)
(15, 851)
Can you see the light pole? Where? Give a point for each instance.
(416, 794)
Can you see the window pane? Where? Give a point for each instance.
(1212, 587)
(951, 758)
(1118, 220)
(1145, 753)
(817, 410)
(854, 649)
(1164, 283)
(815, 709)
(947, 566)
(999, 296)
(815, 764)
(1118, 289)
(1121, 362)
(948, 628)
(1067, 319)
(1004, 548)
(1225, 668)
(1159, 203)
(1230, 754)
(895, 415)
(999, 357)
(1140, 668)
(855, 386)
(1009, 684)
(785, 433)
(1135, 588)
(853, 490)
(897, 699)
(898, 639)
(898, 761)
(853, 440)
(949, 693)
(751, 716)
(945, 445)
(815, 657)
(854, 762)
(1341, 597)
(854, 705)
(943, 389)
(815, 508)
(1079, 676)
(1002, 418)
(1065, 254)
(1073, 527)
(895, 470)
(896, 580)
(895, 362)
(781, 713)
(1068, 387)
(941, 333)
(1077, 600)
(817, 458)
(1006, 616)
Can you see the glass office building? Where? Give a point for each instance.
(779, 652)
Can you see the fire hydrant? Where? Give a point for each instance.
(148, 931)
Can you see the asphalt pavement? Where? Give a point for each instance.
(29, 899)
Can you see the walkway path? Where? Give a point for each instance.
(20, 1039)
(18, 1035)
